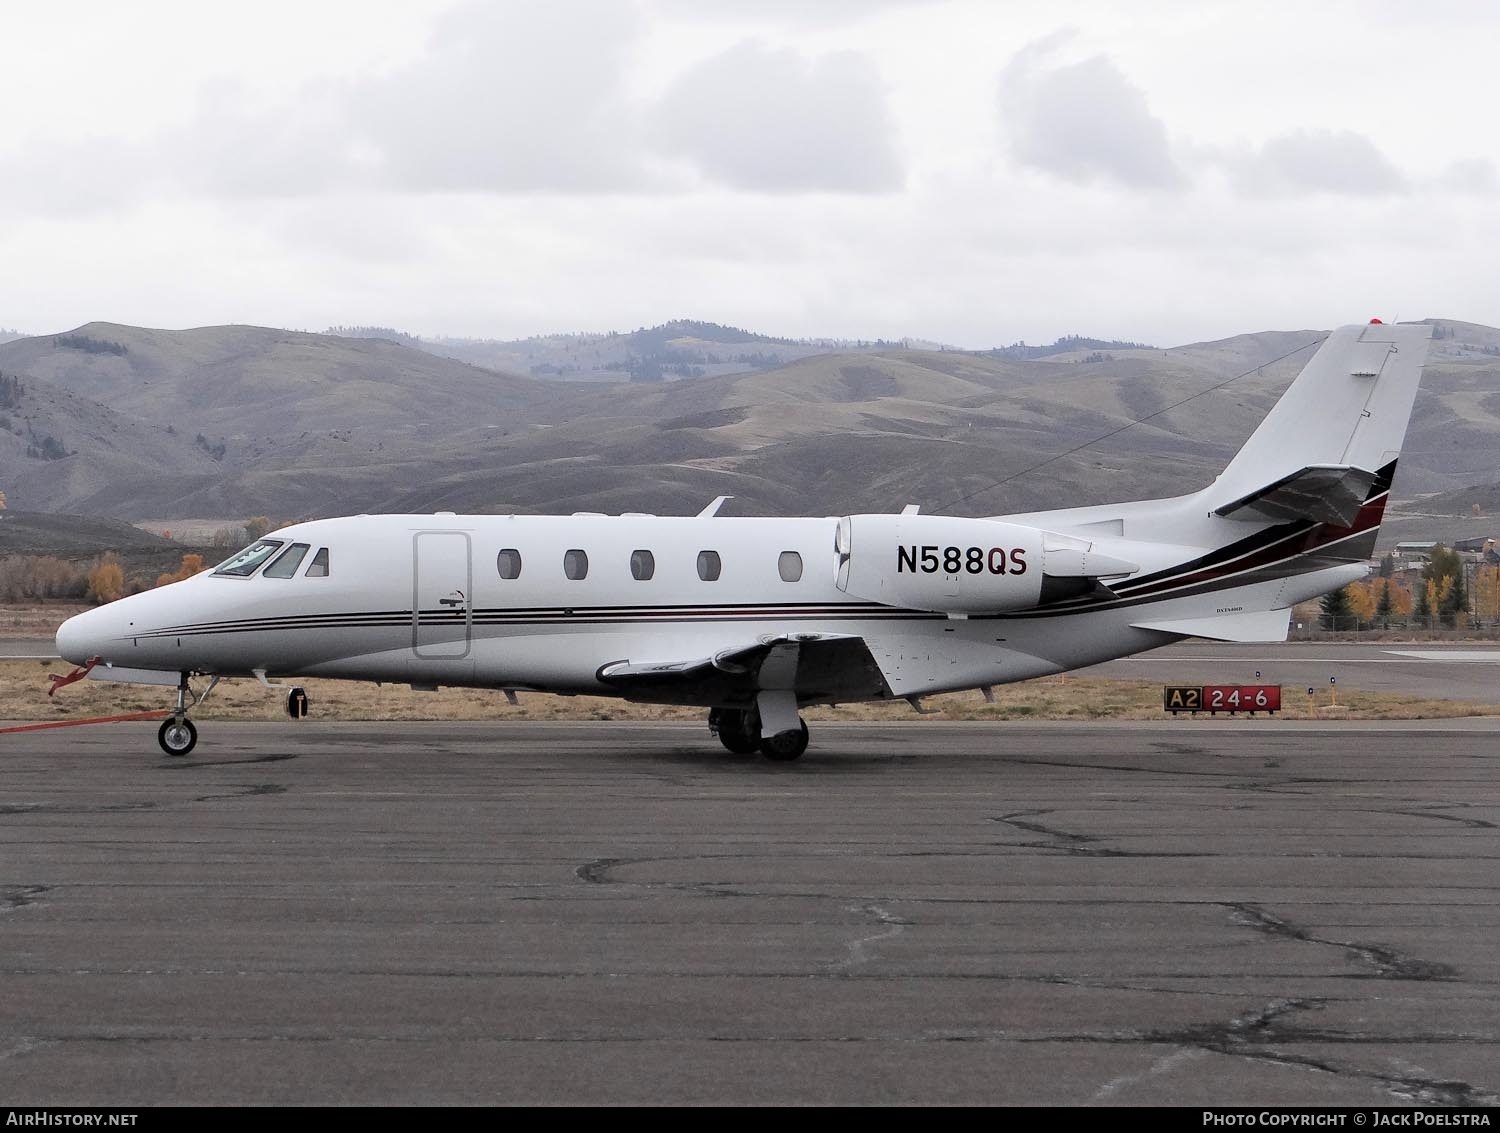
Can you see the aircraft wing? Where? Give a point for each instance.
(816, 666)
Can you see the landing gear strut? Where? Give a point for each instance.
(738, 730)
(177, 735)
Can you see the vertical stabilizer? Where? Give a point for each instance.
(1347, 408)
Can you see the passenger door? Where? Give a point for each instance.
(442, 589)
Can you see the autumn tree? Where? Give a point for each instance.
(1401, 599)
(1450, 600)
(106, 581)
(1361, 602)
(257, 527)
(191, 565)
(1444, 574)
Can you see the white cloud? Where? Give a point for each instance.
(75, 176)
(523, 97)
(822, 13)
(1471, 175)
(514, 167)
(1083, 121)
(771, 120)
(234, 146)
(1341, 162)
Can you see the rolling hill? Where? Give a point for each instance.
(240, 421)
(682, 348)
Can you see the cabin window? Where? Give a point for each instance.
(709, 566)
(576, 565)
(244, 564)
(319, 567)
(642, 565)
(287, 562)
(789, 566)
(508, 563)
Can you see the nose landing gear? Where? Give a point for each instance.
(177, 735)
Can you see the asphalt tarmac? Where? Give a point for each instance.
(1186, 912)
(1468, 670)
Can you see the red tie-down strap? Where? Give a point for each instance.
(154, 714)
(76, 675)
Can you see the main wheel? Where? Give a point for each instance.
(177, 737)
(785, 745)
(735, 729)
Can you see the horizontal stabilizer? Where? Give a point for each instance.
(1323, 493)
(1255, 625)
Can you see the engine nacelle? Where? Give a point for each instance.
(964, 566)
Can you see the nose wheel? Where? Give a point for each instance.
(177, 736)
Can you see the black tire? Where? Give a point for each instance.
(177, 738)
(735, 729)
(785, 746)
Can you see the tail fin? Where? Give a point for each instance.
(1335, 432)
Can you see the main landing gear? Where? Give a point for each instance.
(738, 730)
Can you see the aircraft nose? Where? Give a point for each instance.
(84, 636)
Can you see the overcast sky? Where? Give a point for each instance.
(970, 172)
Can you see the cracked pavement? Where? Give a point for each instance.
(1228, 913)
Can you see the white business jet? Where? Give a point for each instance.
(753, 619)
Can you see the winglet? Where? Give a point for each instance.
(713, 509)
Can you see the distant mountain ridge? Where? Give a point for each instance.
(1064, 345)
(682, 348)
(239, 421)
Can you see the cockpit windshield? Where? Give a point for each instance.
(287, 562)
(244, 564)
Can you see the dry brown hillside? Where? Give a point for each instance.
(239, 421)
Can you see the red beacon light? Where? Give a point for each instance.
(1376, 323)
